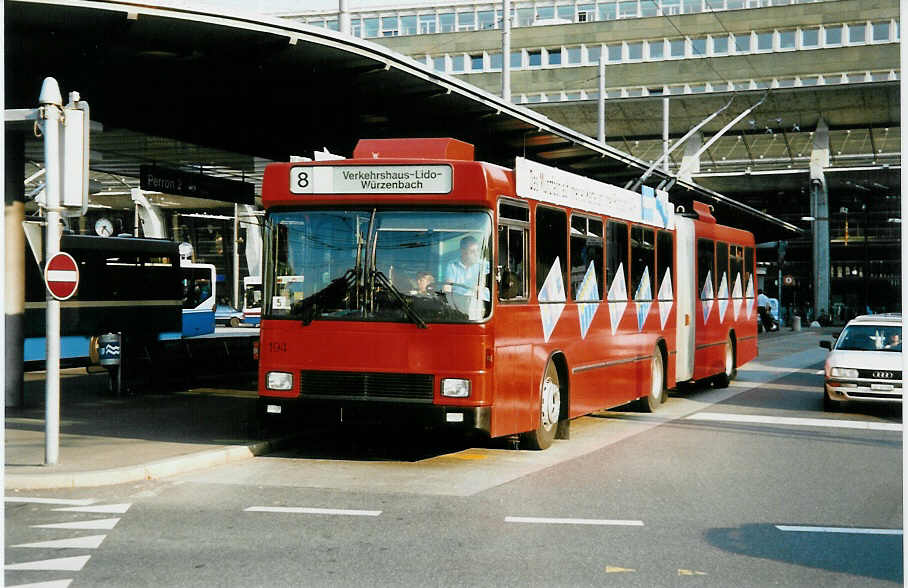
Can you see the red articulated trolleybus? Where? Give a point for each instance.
(412, 284)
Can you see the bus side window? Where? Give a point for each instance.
(586, 252)
(615, 253)
(722, 269)
(513, 229)
(512, 274)
(706, 269)
(643, 262)
(749, 271)
(736, 269)
(665, 257)
(551, 248)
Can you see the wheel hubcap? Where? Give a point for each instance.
(729, 360)
(551, 403)
(657, 380)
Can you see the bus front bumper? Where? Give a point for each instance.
(360, 412)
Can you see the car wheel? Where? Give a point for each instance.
(234, 322)
(829, 404)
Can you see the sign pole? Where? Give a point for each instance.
(51, 109)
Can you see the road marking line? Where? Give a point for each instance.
(60, 564)
(792, 421)
(101, 508)
(95, 525)
(557, 521)
(87, 542)
(839, 530)
(322, 511)
(71, 502)
(618, 570)
(51, 584)
(682, 572)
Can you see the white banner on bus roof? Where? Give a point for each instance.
(555, 186)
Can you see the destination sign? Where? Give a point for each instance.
(371, 179)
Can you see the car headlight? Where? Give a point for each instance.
(455, 388)
(279, 381)
(840, 372)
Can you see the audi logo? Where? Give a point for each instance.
(882, 375)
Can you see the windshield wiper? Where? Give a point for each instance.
(328, 297)
(383, 279)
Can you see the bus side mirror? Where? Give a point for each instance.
(826, 345)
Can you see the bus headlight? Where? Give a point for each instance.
(455, 388)
(279, 381)
(840, 372)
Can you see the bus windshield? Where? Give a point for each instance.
(378, 265)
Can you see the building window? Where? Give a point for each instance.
(389, 26)
(627, 9)
(691, 6)
(457, 63)
(764, 41)
(833, 35)
(466, 21)
(516, 59)
(880, 31)
(476, 62)
(566, 12)
(487, 19)
(720, 45)
(670, 7)
(525, 17)
(408, 25)
(545, 13)
(635, 50)
(698, 47)
(573, 55)
(427, 24)
(607, 11)
(742, 43)
(614, 53)
(810, 80)
(446, 22)
(787, 39)
(676, 48)
(370, 27)
(810, 37)
(554, 56)
(857, 33)
(656, 49)
(534, 58)
(495, 61)
(438, 63)
(649, 8)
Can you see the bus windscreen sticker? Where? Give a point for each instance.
(736, 295)
(706, 295)
(723, 297)
(587, 299)
(749, 303)
(617, 298)
(552, 293)
(666, 297)
(643, 298)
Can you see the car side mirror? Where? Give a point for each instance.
(826, 345)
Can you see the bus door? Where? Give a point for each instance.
(686, 298)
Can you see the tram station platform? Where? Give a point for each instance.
(106, 439)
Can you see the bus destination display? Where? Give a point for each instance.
(371, 179)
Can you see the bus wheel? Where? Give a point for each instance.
(549, 410)
(725, 378)
(656, 396)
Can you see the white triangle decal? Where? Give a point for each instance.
(666, 298)
(588, 291)
(723, 297)
(749, 302)
(617, 298)
(706, 296)
(643, 298)
(736, 294)
(552, 293)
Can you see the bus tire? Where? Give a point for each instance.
(234, 322)
(725, 378)
(549, 410)
(656, 396)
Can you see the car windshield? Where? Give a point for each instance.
(378, 265)
(870, 338)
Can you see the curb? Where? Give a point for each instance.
(153, 470)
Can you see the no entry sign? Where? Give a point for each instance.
(61, 274)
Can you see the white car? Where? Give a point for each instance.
(865, 362)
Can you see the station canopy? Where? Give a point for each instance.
(225, 92)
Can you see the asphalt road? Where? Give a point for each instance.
(744, 487)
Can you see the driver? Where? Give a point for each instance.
(463, 278)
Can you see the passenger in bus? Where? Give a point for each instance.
(425, 284)
(464, 279)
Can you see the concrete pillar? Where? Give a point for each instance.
(819, 207)
(690, 163)
(14, 276)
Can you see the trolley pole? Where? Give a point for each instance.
(51, 109)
